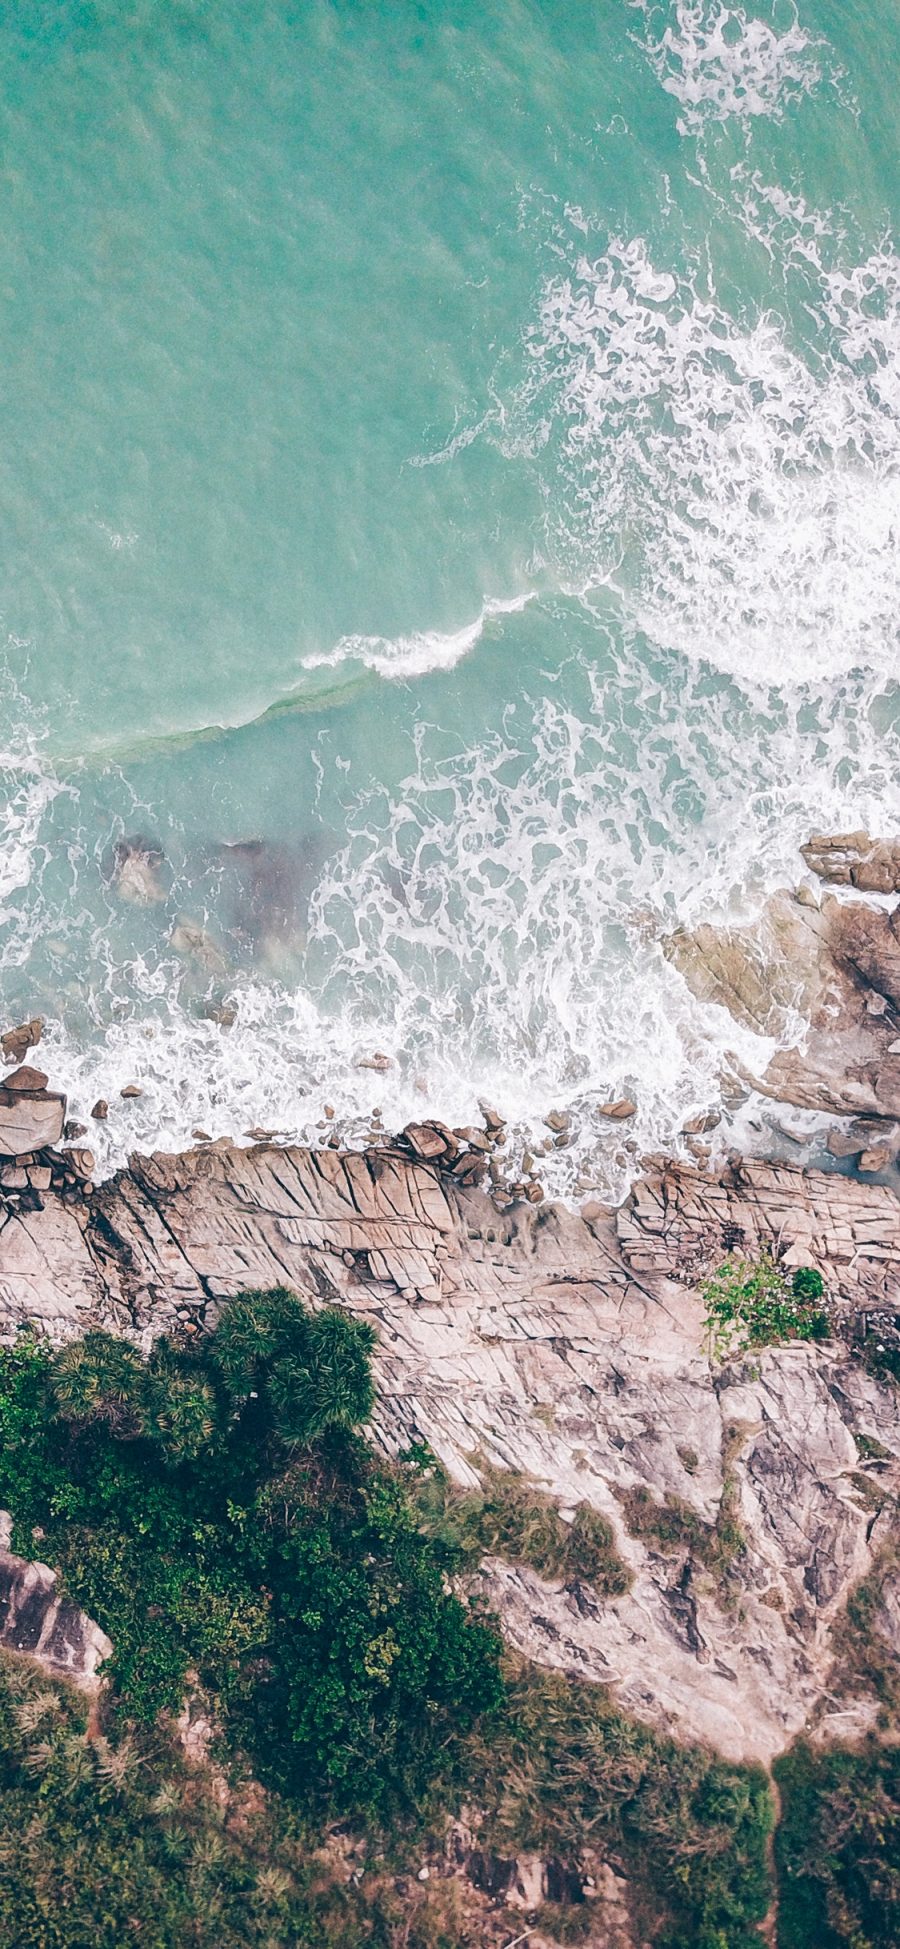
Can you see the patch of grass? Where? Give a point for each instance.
(866, 1661)
(837, 1848)
(673, 1526)
(510, 1517)
(755, 1304)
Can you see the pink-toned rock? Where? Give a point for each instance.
(425, 1141)
(26, 1081)
(29, 1123)
(16, 1043)
(623, 1107)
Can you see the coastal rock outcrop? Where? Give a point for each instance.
(852, 859)
(571, 1349)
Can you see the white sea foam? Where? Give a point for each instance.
(720, 61)
(419, 652)
(751, 494)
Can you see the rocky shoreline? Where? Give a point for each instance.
(571, 1346)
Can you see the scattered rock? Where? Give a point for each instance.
(72, 1130)
(623, 1107)
(28, 1081)
(131, 1090)
(475, 1139)
(535, 1193)
(224, 1014)
(558, 1121)
(379, 1062)
(100, 1111)
(698, 1126)
(202, 1136)
(16, 1043)
(492, 1118)
(82, 1162)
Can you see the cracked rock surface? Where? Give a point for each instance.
(569, 1349)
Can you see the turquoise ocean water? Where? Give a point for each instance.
(449, 505)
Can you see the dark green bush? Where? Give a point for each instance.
(807, 1283)
(213, 1512)
(751, 1303)
(837, 1848)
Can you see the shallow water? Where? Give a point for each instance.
(450, 499)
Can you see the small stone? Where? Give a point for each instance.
(535, 1194)
(379, 1061)
(72, 1130)
(842, 1143)
(131, 1089)
(224, 1014)
(558, 1121)
(476, 1139)
(13, 1178)
(877, 1159)
(622, 1107)
(39, 1176)
(100, 1111)
(698, 1126)
(527, 1162)
(424, 1874)
(202, 1136)
(492, 1117)
(329, 1111)
(82, 1162)
(26, 1080)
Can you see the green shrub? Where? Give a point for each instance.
(752, 1304)
(807, 1283)
(673, 1525)
(837, 1848)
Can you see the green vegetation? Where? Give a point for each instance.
(672, 1525)
(107, 1840)
(217, 1511)
(753, 1304)
(213, 1511)
(510, 1517)
(837, 1848)
(561, 1767)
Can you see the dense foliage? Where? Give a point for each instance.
(217, 1511)
(838, 1848)
(213, 1511)
(755, 1303)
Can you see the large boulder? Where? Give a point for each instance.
(36, 1620)
(852, 859)
(29, 1119)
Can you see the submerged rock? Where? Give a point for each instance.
(137, 870)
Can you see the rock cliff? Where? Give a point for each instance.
(566, 1346)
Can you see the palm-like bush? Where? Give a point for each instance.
(100, 1378)
(327, 1383)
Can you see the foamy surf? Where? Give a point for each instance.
(421, 651)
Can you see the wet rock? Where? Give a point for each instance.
(72, 1130)
(877, 1159)
(82, 1162)
(137, 871)
(224, 1014)
(16, 1043)
(622, 1107)
(131, 1090)
(558, 1121)
(100, 1111)
(852, 859)
(379, 1062)
(492, 1119)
